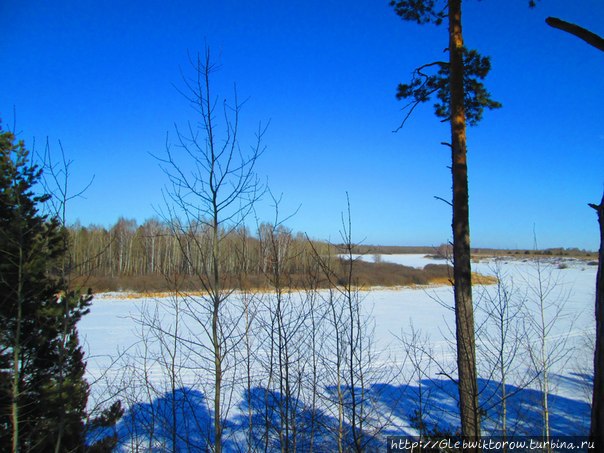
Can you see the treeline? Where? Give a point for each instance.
(557, 252)
(161, 248)
(445, 251)
(393, 249)
(148, 257)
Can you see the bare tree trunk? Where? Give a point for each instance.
(464, 311)
(248, 373)
(354, 334)
(173, 371)
(214, 198)
(596, 431)
(544, 350)
(340, 402)
(543, 359)
(216, 340)
(288, 322)
(501, 337)
(314, 363)
(503, 374)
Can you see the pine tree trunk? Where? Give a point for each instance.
(464, 312)
(596, 432)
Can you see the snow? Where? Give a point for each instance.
(112, 335)
(412, 260)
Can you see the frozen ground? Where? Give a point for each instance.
(112, 337)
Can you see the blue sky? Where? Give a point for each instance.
(102, 77)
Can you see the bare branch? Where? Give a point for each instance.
(582, 33)
(443, 200)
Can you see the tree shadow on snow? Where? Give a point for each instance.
(262, 416)
(178, 419)
(440, 412)
(182, 419)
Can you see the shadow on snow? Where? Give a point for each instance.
(181, 420)
(439, 407)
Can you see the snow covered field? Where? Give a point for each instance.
(117, 355)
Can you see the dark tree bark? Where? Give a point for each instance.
(597, 417)
(589, 37)
(596, 432)
(464, 311)
(461, 100)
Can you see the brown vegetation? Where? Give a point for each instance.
(150, 258)
(367, 274)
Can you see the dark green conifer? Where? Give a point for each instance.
(43, 392)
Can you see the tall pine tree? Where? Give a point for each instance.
(461, 99)
(43, 393)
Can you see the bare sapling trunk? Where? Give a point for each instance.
(501, 337)
(352, 344)
(314, 346)
(335, 320)
(213, 186)
(288, 326)
(247, 296)
(419, 353)
(548, 345)
(355, 364)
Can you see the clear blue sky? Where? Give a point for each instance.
(101, 77)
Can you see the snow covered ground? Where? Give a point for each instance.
(112, 334)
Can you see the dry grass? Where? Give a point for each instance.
(479, 279)
(366, 275)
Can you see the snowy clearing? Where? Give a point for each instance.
(127, 358)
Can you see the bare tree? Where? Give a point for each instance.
(212, 189)
(349, 291)
(548, 346)
(250, 300)
(350, 356)
(421, 357)
(501, 340)
(315, 344)
(286, 328)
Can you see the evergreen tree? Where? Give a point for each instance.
(461, 99)
(43, 393)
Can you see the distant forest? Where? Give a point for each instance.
(159, 256)
(444, 251)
